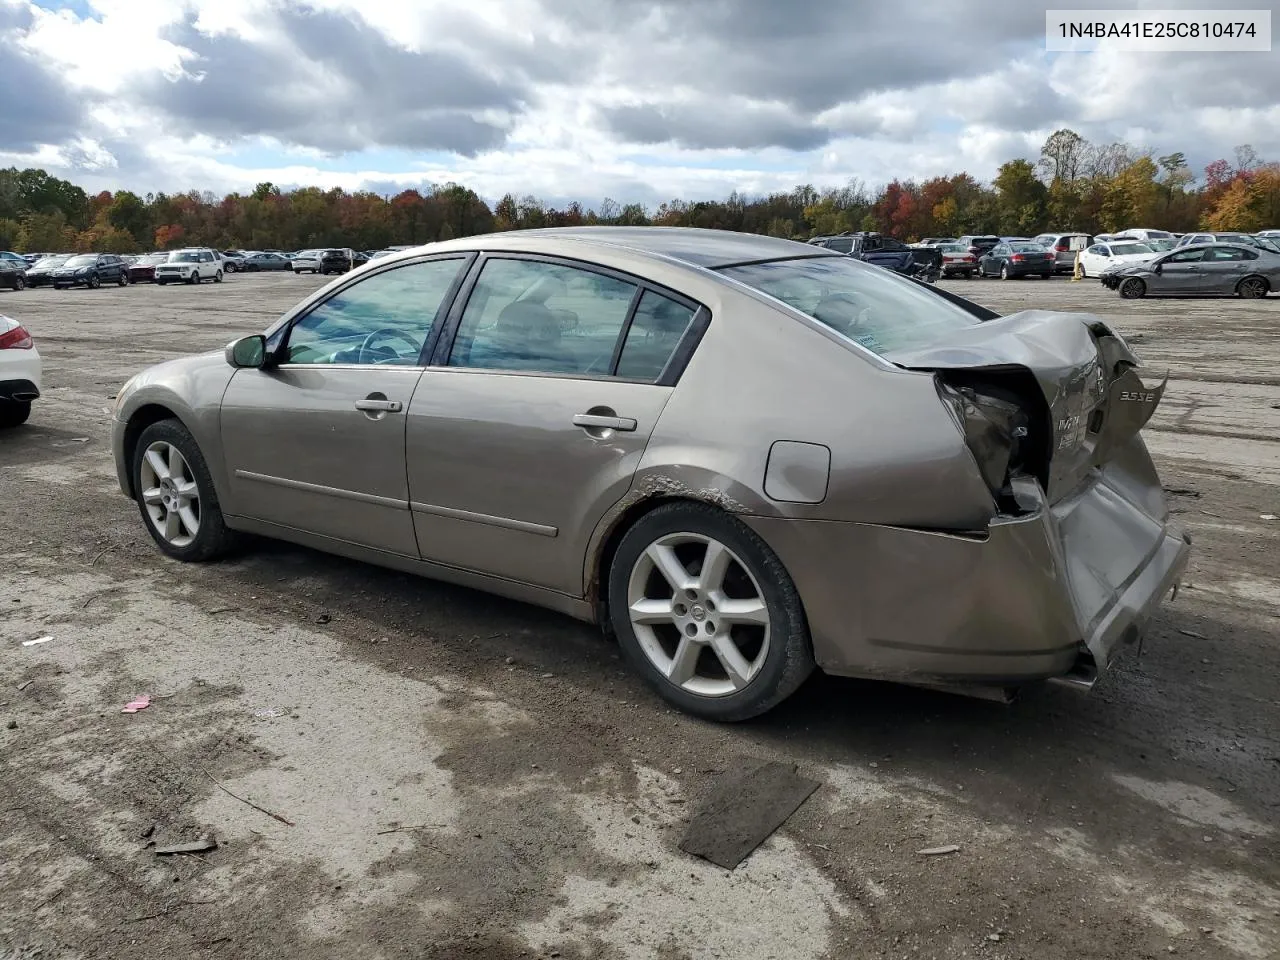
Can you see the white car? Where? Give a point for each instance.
(1113, 253)
(190, 266)
(19, 372)
(1144, 234)
(307, 261)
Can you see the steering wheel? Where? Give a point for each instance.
(387, 354)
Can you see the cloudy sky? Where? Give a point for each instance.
(638, 100)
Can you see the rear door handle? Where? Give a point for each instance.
(600, 422)
(386, 406)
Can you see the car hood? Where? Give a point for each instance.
(1072, 372)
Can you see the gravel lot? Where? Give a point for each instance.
(469, 777)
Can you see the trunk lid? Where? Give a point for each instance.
(1076, 378)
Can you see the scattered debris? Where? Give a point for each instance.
(233, 796)
(993, 937)
(939, 851)
(25, 683)
(32, 643)
(203, 845)
(407, 829)
(140, 702)
(1182, 492)
(269, 713)
(1268, 516)
(1192, 633)
(11, 725)
(742, 810)
(324, 618)
(219, 610)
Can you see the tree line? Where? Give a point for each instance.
(1074, 185)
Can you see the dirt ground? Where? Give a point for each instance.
(468, 777)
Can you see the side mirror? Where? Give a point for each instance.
(1159, 268)
(247, 351)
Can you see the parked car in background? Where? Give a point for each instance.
(924, 263)
(232, 260)
(41, 274)
(143, 270)
(256, 262)
(937, 241)
(190, 266)
(19, 372)
(1268, 234)
(957, 261)
(1220, 237)
(1100, 257)
(91, 270)
(34, 258)
(340, 260)
(1065, 247)
(683, 464)
(13, 275)
(1222, 269)
(978, 244)
(1142, 233)
(1013, 260)
(306, 261)
(379, 254)
(14, 258)
(1160, 245)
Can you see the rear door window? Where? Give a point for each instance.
(872, 306)
(656, 330)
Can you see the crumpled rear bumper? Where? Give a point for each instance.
(1054, 593)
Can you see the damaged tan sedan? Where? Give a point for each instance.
(744, 456)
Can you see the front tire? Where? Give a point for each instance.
(175, 494)
(705, 611)
(1133, 289)
(193, 277)
(123, 280)
(94, 282)
(14, 413)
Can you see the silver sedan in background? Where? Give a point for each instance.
(1224, 269)
(747, 457)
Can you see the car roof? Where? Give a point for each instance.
(693, 245)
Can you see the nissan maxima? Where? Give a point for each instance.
(745, 457)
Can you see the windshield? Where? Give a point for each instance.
(1159, 235)
(870, 305)
(953, 248)
(184, 256)
(1160, 245)
(1125, 249)
(81, 261)
(51, 261)
(1266, 243)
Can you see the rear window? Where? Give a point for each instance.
(1027, 246)
(870, 305)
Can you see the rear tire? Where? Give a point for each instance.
(1004, 271)
(19, 282)
(1253, 288)
(14, 413)
(1046, 276)
(217, 277)
(212, 539)
(776, 653)
(1133, 288)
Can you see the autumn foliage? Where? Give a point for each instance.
(1073, 185)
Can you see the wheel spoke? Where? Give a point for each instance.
(649, 611)
(731, 658)
(152, 497)
(172, 525)
(186, 490)
(189, 519)
(715, 563)
(685, 662)
(669, 565)
(159, 466)
(752, 611)
(177, 466)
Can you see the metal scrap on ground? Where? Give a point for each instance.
(742, 810)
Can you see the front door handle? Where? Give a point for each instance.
(598, 422)
(384, 406)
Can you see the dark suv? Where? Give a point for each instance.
(91, 270)
(888, 252)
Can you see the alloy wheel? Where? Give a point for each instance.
(1133, 288)
(699, 615)
(1253, 288)
(170, 494)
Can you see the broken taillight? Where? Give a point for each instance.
(997, 431)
